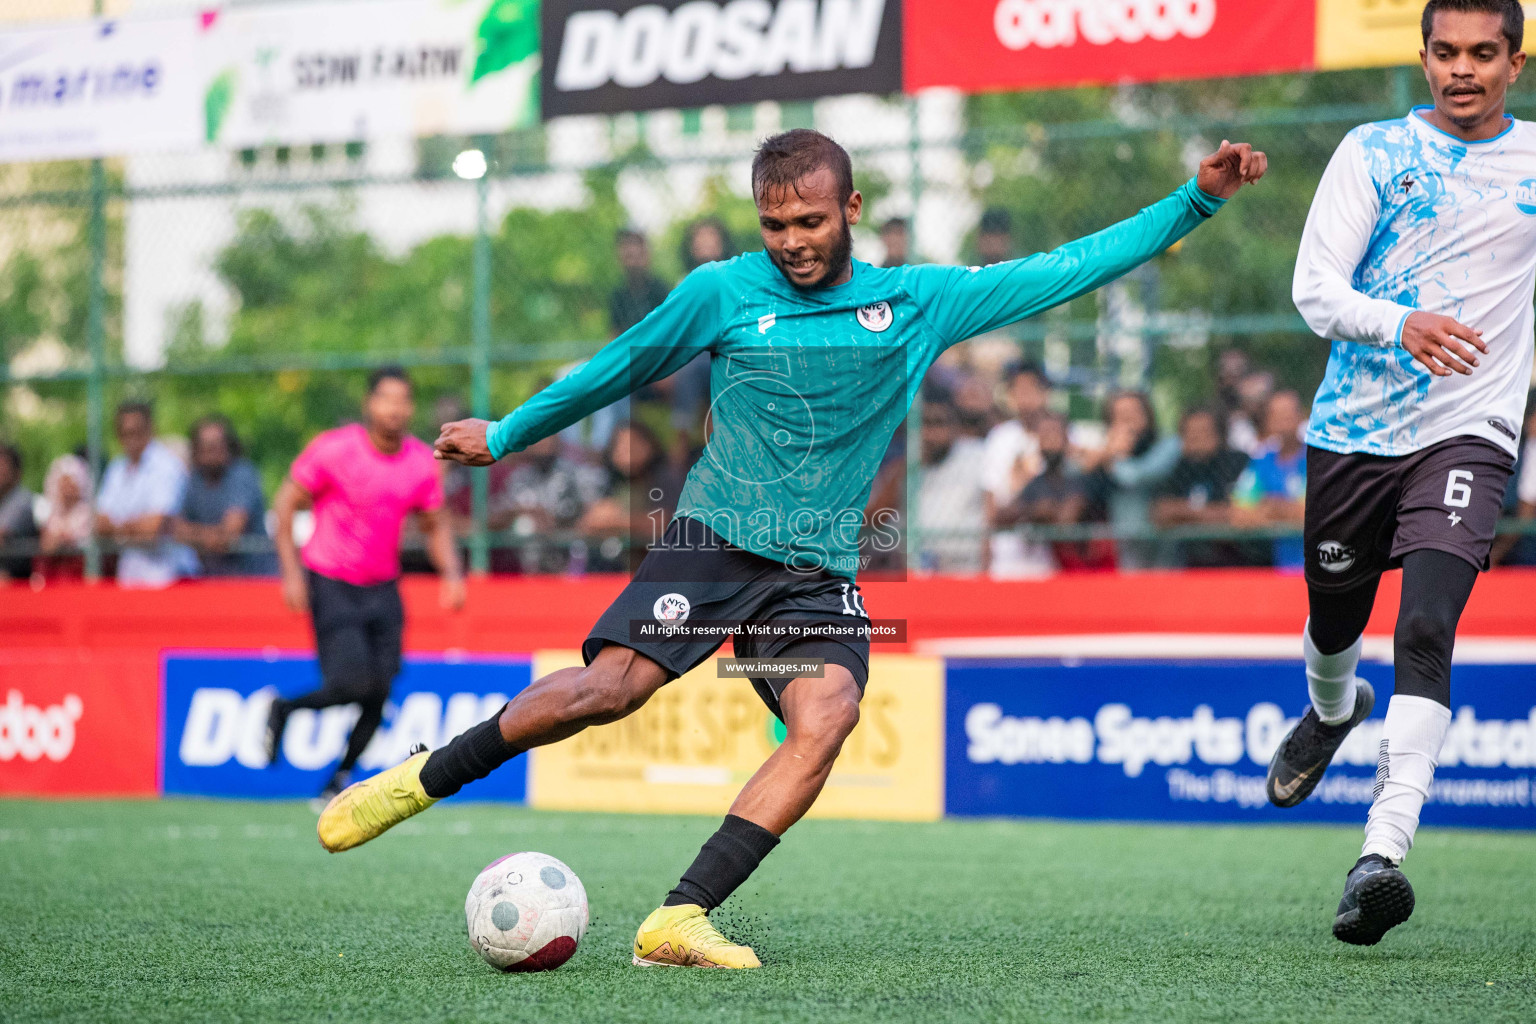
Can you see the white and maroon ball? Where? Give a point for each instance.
(526, 912)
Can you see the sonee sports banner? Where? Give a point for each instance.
(605, 56)
(1191, 741)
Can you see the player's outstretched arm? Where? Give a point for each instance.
(1334, 244)
(964, 302)
(687, 323)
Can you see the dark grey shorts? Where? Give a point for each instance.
(694, 576)
(1365, 512)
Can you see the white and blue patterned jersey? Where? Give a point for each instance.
(1408, 217)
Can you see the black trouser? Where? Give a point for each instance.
(357, 638)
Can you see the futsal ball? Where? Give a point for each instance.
(526, 912)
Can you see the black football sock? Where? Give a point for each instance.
(726, 860)
(471, 755)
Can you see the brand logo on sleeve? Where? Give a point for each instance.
(876, 316)
(1525, 197)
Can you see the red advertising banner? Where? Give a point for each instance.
(983, 45)
(79, 723)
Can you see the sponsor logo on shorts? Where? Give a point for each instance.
(876, 316)
(671, 608)
(1334, 556)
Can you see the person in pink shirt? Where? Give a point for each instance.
(363, 481)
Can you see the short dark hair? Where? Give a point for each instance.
(12, 454)
(896, 223)
(996, 221)
(1025, 367)
(628, 235)
(1511, 11)
(1196, 411)
(392, 371)
(783, 159)
(134, 407)
(231, 439)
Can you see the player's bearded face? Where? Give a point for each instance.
(807, 230)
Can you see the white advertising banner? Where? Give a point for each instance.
(100, 87)
(290, 73)
(334, 72)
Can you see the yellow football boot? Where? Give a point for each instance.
(366, 810)
(684, 937)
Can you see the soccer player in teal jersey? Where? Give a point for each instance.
(815, 358)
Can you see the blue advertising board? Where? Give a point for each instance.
(1191, 741)
(215, 708)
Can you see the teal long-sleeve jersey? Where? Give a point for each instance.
(807, 387)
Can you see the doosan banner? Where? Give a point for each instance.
(1191, 741)
(604, 56)
(983, 45)
(216, 712)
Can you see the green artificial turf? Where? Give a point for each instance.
(192, 910)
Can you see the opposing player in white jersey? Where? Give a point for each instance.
(1418, 263)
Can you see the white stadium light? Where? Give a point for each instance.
(470, 165)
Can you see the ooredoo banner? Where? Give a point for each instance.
(78, 723)
(1191, 741)
(604, 56)
(216, 712)
(982, 45)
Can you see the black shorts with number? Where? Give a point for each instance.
(695, 575)
(1365, 512)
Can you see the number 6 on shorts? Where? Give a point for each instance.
(1457, 493)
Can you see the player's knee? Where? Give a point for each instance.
(825, 724)
(1425, 632)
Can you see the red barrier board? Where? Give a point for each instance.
(77, 722)
(983, 45)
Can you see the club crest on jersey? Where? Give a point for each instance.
(1334, 556)
(876, 316)
(672, 608)
(1525, 197)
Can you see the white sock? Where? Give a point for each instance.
(1331, 678)
(1410, 745)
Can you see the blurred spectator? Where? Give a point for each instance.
(706, 241)
(994, 237)
(458, 480)
(1058, 496)
(1245, 424)
(1128, 471)
(67, 525)
(1272, 490)
(1198, 491)
(951, 516)
(545, 496)
(642, 291)
(638, 500)
(974, 404)
(896, 236)
(1012, 460)
(15, 512)
(1232, 365)
(223, 506)
(140, 492)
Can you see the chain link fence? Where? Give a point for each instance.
(262, 285)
